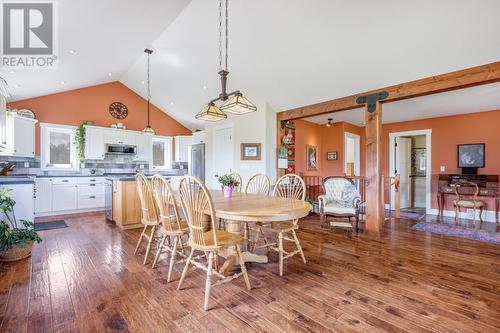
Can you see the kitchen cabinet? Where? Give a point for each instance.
(64, 197)
(43, 195)
(126, 205)
(198, 137)
(182, 142)
(23, 195)
(20, 136)
(94, 143)
(143, 142)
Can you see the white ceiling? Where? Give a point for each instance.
(108, 36)
(469, 100)
(289, 53)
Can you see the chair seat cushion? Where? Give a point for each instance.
(467, 203)
(335, 208)
(223, 238)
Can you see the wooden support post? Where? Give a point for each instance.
(374, 187)
(397, 197)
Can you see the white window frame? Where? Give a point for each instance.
(45, 130)
(167, 159)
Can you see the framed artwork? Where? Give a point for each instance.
(312, 157)
(471, 155)
(418, 162)
(250, 151)
(331, 156)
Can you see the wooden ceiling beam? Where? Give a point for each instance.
(464, 78)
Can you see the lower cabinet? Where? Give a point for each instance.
(126, 205)
(59, 195)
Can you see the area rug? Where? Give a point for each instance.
(41, 226)
(455, 231)
(405, 215)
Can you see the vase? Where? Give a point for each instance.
(17, 252)
(228, 191)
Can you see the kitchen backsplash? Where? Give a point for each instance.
(111, 164)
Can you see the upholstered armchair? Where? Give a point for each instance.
(341, 200)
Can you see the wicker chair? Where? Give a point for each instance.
(203, 234)
(149, 213)
(172, 225)
(341, 200)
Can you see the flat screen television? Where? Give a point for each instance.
(471, 156)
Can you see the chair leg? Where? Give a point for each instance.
(140, 239)
(208, 282)
(172, 258)
(481, 214)
(456, 213)
(321, 220)
(150, 240)
(243, 268)
(158, 252)
(299, 247)
(357, 223)
(474, 215)
(257, 236)
(246, 234)
(280, 248)
(185, 270)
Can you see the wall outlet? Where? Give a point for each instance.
(442, 168)
(141, 166)
(26, 164)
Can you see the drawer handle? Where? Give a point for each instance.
(65, 180)
(91, 184)
(93, 180)
(92, 197)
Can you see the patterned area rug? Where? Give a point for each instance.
(456, 231)
(405, 215)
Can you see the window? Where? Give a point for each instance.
(58, 149)
(162, 153)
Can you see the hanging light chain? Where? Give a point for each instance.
(220, 35)
(149, 89)
(227, 38)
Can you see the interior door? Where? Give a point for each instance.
(403, 167)
(223, 151)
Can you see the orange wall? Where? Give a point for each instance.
(91, 103)
(307, 133)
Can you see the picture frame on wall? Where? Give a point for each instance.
(312, 157)
(250, 151)
(331, 156)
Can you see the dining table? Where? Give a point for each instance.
(243, 208)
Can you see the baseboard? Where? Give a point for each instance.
(488, 215)
(70, 212)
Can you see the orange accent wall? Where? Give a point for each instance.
(307, 133)
(91, 103)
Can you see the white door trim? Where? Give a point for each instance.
(428, 146)
(357, 152)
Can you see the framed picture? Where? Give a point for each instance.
(312, 157)
(331, 156)
(471, 155)
(250, 151)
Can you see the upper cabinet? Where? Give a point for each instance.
(19, 136)
(182, 142)
(94, 143)
(144, 147)
(199, 137)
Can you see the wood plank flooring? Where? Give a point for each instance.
(85, 278)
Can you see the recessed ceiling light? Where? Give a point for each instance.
(142, 82)
(63, 82)
(204, 87)
(110, 74)
(12, 72)
(171, 103)
(71, 51)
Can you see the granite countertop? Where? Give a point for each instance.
(14, 180)
(128, 177)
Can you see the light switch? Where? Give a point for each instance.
(442, 168)
(141, 166)
(26, 164)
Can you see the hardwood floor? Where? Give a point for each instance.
(85, 278)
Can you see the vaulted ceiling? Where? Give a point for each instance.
(289, 53)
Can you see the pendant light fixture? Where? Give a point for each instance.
(148, 129)
(234, 102)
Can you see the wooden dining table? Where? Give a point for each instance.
(242, 207)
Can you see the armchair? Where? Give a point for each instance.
(341, 200)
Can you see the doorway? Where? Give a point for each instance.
(410, 157)
(352, 154)
(223, 150)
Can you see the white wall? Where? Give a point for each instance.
(254, 127)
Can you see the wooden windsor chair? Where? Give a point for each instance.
(204, 236)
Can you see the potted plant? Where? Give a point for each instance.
(80, 142)
(228, 183)
(15, 242)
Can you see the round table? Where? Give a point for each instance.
(242, 207)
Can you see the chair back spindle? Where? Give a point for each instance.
(165, 201)
(258, 184)
(237, 176)
(148, 207)
(290, 186)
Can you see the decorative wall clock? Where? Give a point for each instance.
(118, 110)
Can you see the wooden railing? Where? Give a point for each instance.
(388, 183)
(314, 186)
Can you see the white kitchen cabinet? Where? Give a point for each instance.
(143, 142)
(182, 142)
(64, 197)
(43, 195)
(198, 137)
(120, 137)
(23, 195)
(20, 136)
(129, 137)
(94, 143)
(111, 136)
